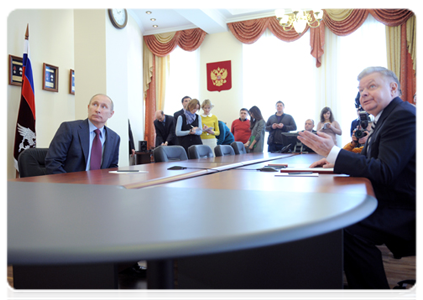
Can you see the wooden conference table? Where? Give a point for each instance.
(100, 218)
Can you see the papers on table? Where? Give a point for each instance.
(300, 174)
(127, 172)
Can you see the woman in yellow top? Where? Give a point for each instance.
(210, 125)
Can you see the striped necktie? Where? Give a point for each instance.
(95, 161)
(370, 138)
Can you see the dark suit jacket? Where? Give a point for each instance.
(354, 125)
(178, 113)
(68, 151)
(390, 162)
(165, 133)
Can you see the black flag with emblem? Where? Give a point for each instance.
(25, 126)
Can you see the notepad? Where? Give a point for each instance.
(127, 172)
(305, 169)
(298, 174)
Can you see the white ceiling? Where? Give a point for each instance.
(210, 20)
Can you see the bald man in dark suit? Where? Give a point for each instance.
(388, 160)
(165, 129)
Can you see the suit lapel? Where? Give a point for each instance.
(84, 138)
(108, 146)
(374, 137)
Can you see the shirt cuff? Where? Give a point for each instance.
(333, 154)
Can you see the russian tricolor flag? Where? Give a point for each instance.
(25, 126)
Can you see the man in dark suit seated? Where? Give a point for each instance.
(309, 125)
(84, 145)
(388, 160)
(165, 129)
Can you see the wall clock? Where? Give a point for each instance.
(118, 17)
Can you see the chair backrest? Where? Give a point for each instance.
(169, 153)
(200, 151)
(239, 147)
(221, 150)
(31, 162)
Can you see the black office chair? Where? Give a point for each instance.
(169, 153)
(239, 148)
(200, 151)
(221, 150)
(31, 162)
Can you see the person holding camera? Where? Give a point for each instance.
(328, 124)
(359, 138)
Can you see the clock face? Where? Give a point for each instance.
(118, 17)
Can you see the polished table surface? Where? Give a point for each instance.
(62, 223)
(103, 217)
(53, 221)
(155, 173)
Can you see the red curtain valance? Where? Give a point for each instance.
(188, 40)
(391, 17)
(388, 17)
(349, 24)
(248, 32)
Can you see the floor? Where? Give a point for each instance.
(396, 270)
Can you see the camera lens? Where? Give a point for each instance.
(359, 133)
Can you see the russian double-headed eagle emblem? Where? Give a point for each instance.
(218, 76)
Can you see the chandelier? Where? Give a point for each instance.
(299, 18)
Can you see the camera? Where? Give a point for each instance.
(364, 122)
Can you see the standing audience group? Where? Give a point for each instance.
(187, 127)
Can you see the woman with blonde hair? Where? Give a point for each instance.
(210, 125)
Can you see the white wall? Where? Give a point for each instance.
(135, 92)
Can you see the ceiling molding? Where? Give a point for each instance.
(168, 29)
(134, 16)
(250, 17)
(210, 20)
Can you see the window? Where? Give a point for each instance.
(276, 70)
(273, 72)
(183, 79)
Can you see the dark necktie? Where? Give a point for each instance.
(370, 138)
(95, 161)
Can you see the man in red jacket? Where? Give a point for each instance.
(241, 127)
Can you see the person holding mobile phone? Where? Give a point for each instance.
(188, 126)
(328, 124)
(210, 125)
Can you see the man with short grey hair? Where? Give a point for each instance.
(388, 160)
